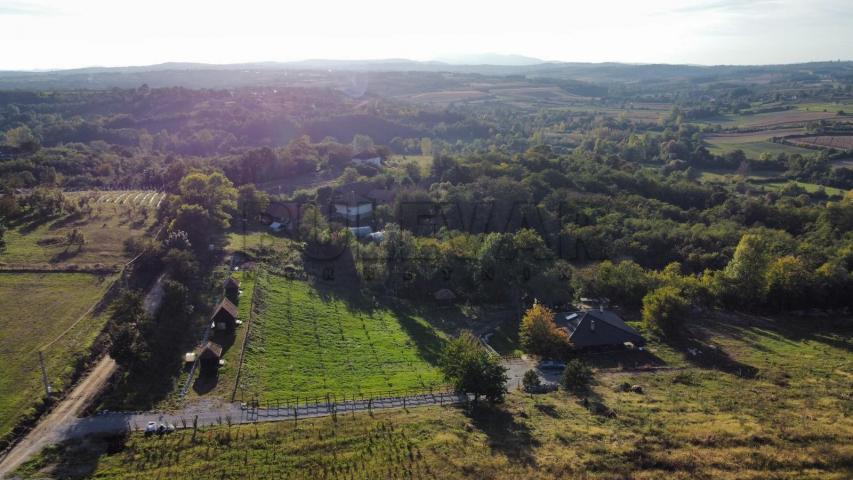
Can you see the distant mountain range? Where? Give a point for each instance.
(202, 75)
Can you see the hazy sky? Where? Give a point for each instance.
(65, 34)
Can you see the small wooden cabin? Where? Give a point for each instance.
(208, 356)
(224, 316)
(231, 288)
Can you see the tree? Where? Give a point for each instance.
(127, 346)
(531, 381)
(539, 333)
(251, 201)
(789, 282)
(362, 143)
(22, 137)
(745, 273)
(472, 369)
(577, 376)
(664, 309)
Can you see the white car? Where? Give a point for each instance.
(151, 428)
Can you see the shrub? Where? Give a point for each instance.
(577, 376)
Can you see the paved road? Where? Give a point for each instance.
(207, 415)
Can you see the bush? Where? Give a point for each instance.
(531, 381)
(664, 310)
(577, 376)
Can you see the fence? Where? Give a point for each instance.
(292, 408)
(257, 273)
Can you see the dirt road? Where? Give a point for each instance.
(59, 423)
(53, 427)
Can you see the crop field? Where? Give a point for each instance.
(34, 310)
(307, 342)
(777, 119)
(764, 399)
(838, 142)
(115, 217)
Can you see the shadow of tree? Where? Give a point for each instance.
(506, 435)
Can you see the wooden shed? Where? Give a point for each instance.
(208, 356)
(231, 288)
(224, 316)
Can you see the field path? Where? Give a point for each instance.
(53, 427)
(63, 420)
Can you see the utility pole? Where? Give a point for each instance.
(44, 375)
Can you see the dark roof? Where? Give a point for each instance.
(232, 282)
(227, 306)
(597, 328)
(209, 350)
(284, 211)
(366, 155)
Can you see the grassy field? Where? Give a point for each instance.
(115, 217)
(809, 187)
(34, 310)
(753, 149)
(764, 399)
(308, 342)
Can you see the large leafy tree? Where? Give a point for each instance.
(539, 333)
(472, 370)
(665, 310)
(203, 207)
(745, 274)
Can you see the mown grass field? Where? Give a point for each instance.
(115, 217)
(771, 401)
(310, 342)
(34, 310)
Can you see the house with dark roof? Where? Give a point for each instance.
(224, 316)
(598, 329)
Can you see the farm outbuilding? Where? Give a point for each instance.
(224, 316)
(208, 356)
(231, 288)
(598, 329)
(444, 296)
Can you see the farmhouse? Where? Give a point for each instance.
(224, 316)
(367, 158)
(598, 329)
(208, 356)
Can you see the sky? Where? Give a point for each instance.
(40, 34)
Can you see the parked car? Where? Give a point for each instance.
(552, 364)
(151, 428)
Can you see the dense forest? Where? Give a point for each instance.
(529, 200)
